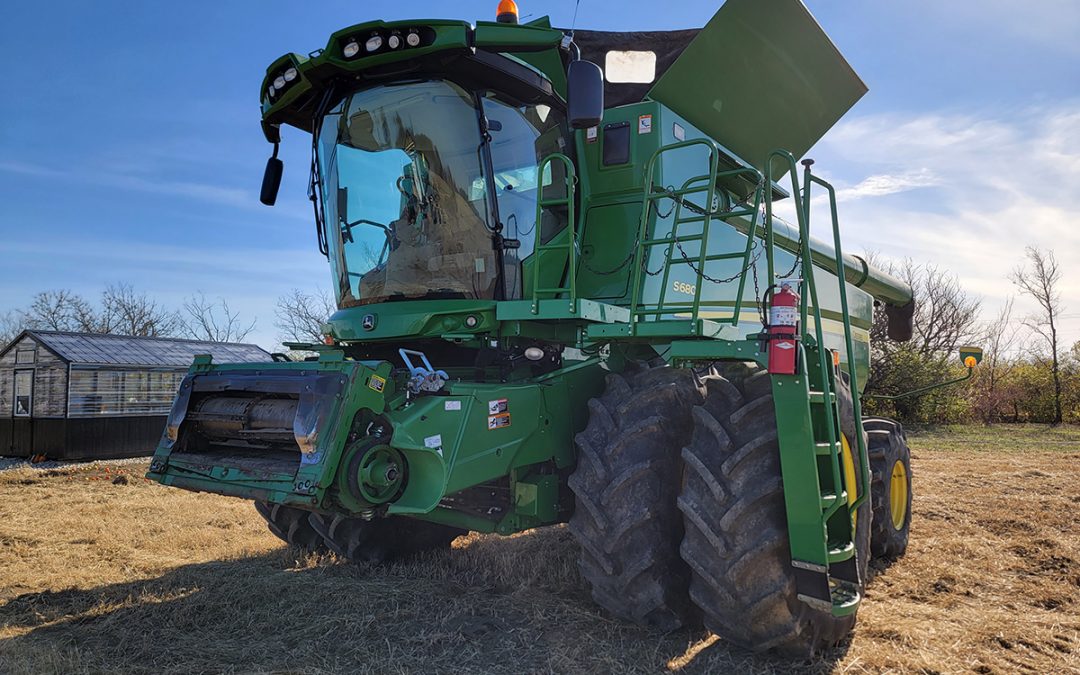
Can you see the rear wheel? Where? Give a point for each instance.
(626, 484)
(890, 466)
(736, 539)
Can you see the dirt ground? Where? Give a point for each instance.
(101, 570)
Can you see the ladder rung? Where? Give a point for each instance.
(829, 498)
(845, 552)
(819, 396)
(823, 449)
(671, 240)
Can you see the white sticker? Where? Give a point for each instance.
(644, 124)
(678, 132)
(498, 406)
(479, 265)
(452, 405)
(433, 441)
(590, 135)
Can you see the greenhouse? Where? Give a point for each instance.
(82, 395)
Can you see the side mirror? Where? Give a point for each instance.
(971, 356)
(271, 180)
(584, 94)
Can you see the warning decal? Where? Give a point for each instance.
(644, 124)
(377, 383)
(499, 405)
(498, 421)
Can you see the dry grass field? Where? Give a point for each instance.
(107, 574)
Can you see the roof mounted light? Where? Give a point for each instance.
(290, 74)
(279, 82)
(412, 39)
(351, 49)
(394, 41)
(373, 43)
(507, 12)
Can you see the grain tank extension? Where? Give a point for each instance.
(564, 297)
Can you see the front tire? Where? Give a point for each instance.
(291, 525)
(381, 540)
(736, 538)
(626, 483)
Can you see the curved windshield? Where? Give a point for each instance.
(405, 196)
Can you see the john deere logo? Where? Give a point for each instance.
(368, 322)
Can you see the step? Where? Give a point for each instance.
(829, 498)
(845, 552)
(823, 449)
(845, 597)
(819, 397)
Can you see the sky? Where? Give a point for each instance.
(131, 149)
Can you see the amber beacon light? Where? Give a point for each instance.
(508, 12)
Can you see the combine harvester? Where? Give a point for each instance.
(552, 310)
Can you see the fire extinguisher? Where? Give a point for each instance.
(783, 330)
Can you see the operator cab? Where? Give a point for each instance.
(419, 181)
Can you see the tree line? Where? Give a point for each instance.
(1027, 373)
(122, 310)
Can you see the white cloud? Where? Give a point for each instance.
(1000, 182)
(879, 185)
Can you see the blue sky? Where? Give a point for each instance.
(131, 148)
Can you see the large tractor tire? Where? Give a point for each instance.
(890, 490)
(291, 525)
(736, 539)
(381, 540)
(626, 484)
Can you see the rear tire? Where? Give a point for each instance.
(626, 483)
(291, 525)
(736, 538)
(890, 490)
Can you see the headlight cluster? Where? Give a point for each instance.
(382, 41)
(281, 81)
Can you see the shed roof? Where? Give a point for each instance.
(127, 350)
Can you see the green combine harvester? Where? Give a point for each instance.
(564, 297)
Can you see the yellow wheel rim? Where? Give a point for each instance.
(848, 460)
(898, 495)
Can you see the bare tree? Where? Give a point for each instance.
(56, 310)
(1040, 282)
(9, 328)
(214, 321)
(301, 315)
(1001, 337)
(125, 312)
(945, 316)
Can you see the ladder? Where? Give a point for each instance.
(826, 577)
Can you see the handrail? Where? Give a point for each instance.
(707, 184)
(649, 195)
(808, 298)
(864, 459)
(570, 180)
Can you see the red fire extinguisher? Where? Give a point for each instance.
(783, 330)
